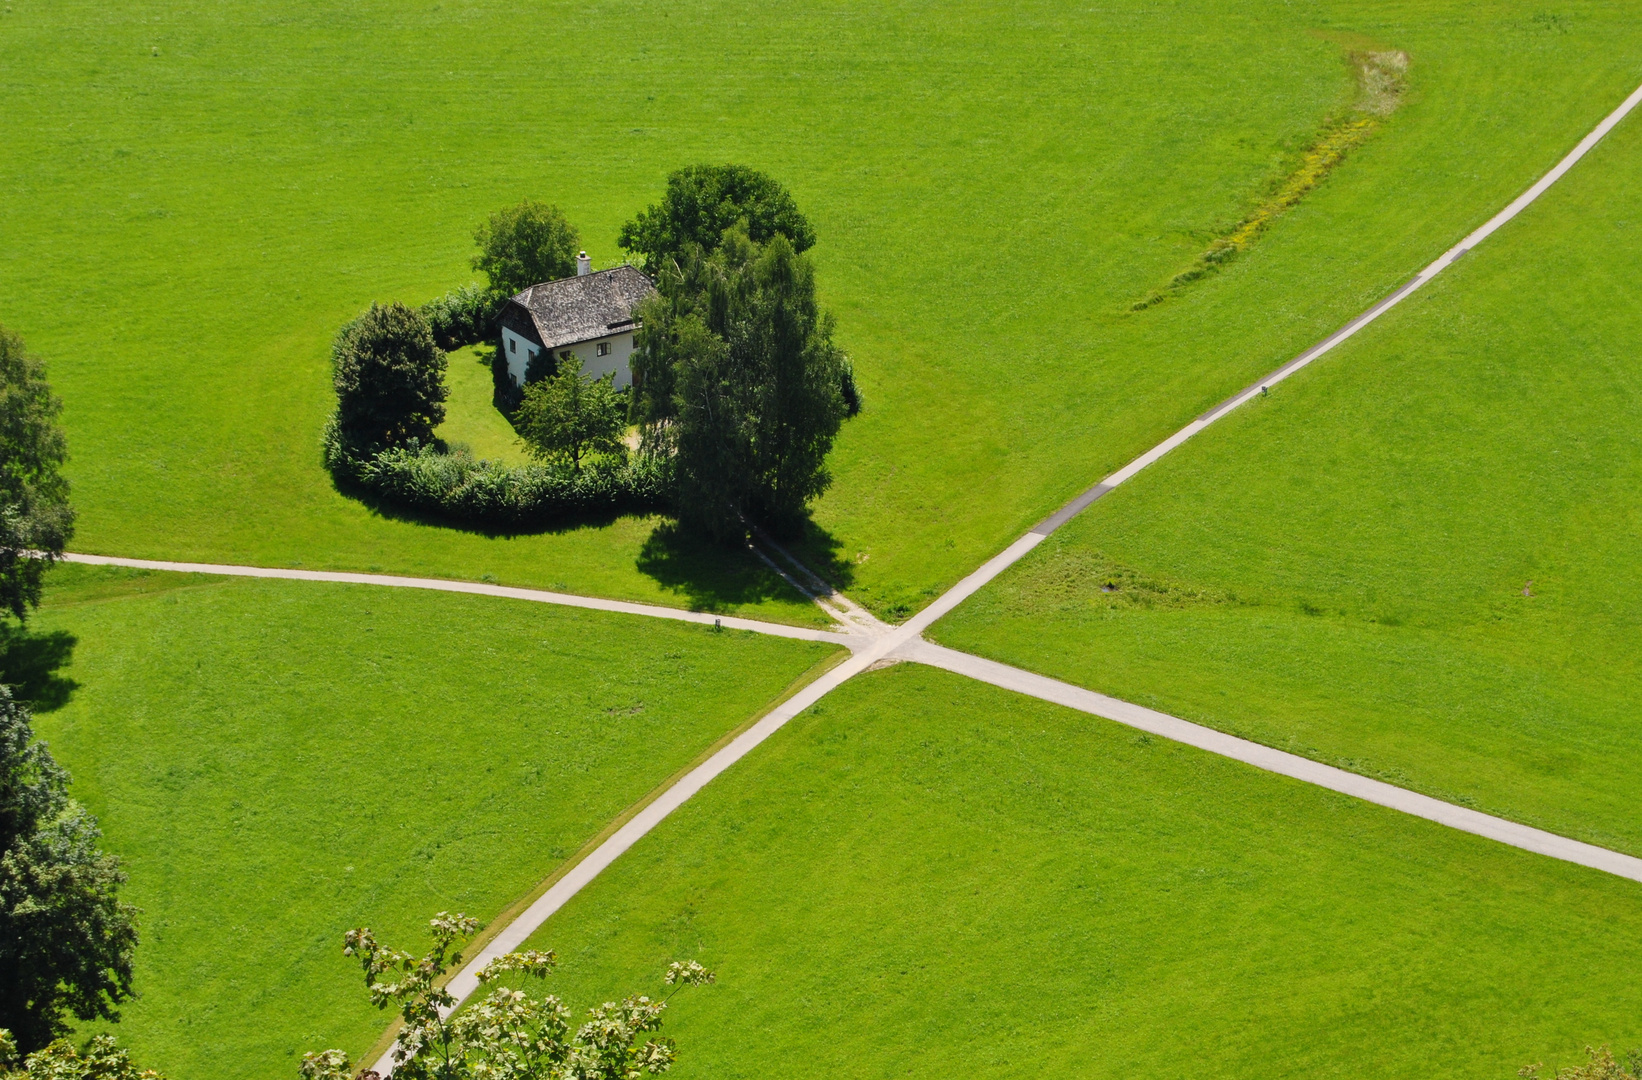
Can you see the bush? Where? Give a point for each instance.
(505, 393)
(390, 378)
(492, 494)
(464, 316)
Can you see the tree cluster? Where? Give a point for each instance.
(739, 388)
(739, 382)
(701, 202)
(65, 938)
(508, 1034)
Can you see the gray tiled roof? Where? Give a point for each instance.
(582, 308)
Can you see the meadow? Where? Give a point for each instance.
(926, 876)
(196, 199)
(277, 762)
(1416, 559)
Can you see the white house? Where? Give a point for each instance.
(589, 316)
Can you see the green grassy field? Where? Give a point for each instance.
(470, 418)
(1339, 568)
(927, 876)
(196, 199)
(279, 761)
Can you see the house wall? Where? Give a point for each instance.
(621, 350)
(518, 349)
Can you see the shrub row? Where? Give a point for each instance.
(464, 316)
(460, 487)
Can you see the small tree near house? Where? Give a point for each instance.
(567, 417)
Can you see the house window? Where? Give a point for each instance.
(603, 348)
(512, 345)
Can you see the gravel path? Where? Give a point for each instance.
(479, 588)
(1276, 761)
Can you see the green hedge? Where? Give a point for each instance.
(462, 488)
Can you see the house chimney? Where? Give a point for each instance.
(584, 265)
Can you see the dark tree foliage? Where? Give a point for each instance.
(35, 517)
(390, 378)
(525, 245)
(464, 316)
(65, 938)
(701, 202)
(740, 384)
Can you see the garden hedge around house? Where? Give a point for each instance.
(492, 494)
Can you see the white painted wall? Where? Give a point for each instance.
(519, 351)
(621, 349)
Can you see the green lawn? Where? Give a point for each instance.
(279, 761)
(470, 418)
(196, 198)
(927, 876)
(1339, 568)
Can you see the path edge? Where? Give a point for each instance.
(506, 917)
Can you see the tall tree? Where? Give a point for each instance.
(525, 245)
(65, 938)
(740, 383)
(390, 378)
(701, 202)
(36, 520)
(566, 417)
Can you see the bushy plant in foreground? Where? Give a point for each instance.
(99, 1059)
(507, 1034)
(1601, 1066)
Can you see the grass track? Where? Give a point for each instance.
(928, 876)
(1338, 570)
(279, 761)
(195, 199)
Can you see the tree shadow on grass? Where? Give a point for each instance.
(30, 661)
(711, 576)
(716, 577)
(389, 510)
(822, 552)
